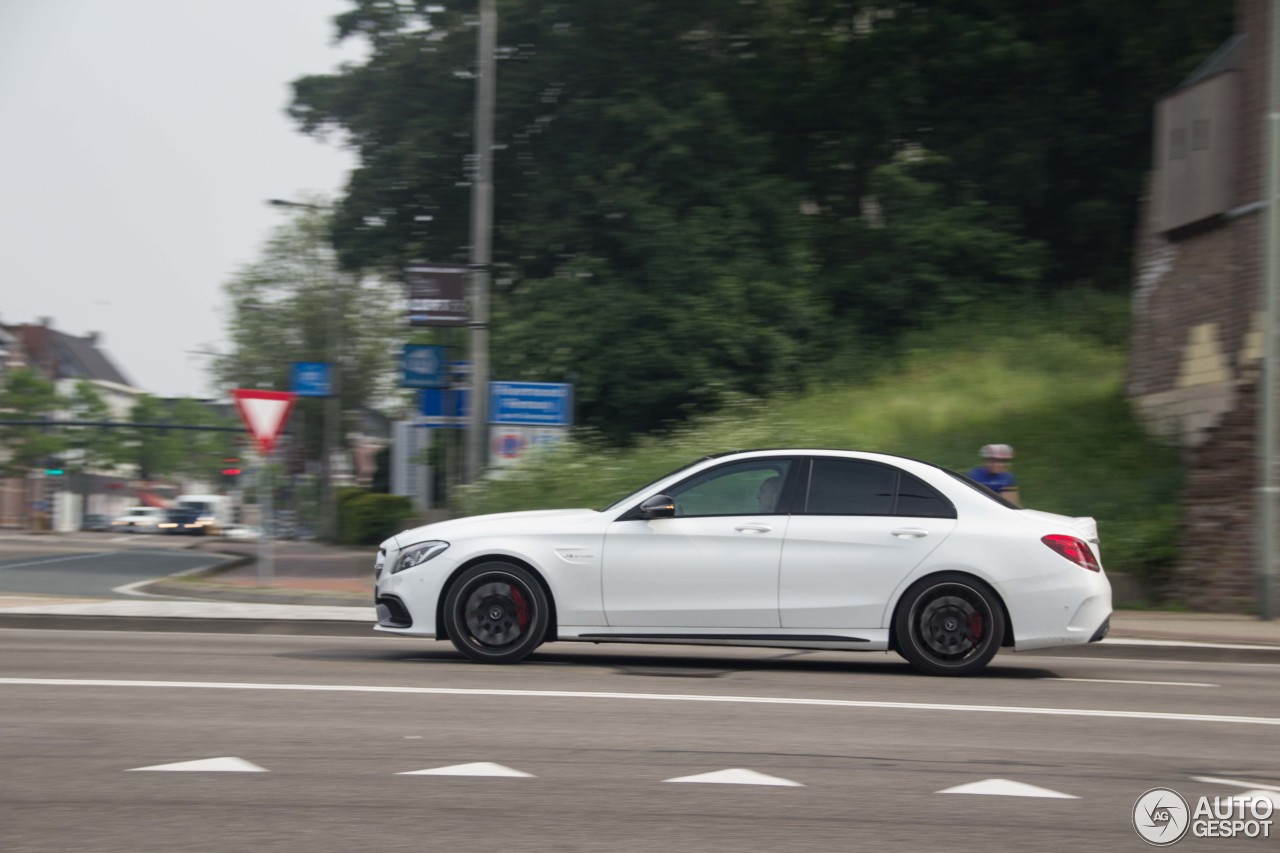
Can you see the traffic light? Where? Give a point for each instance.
(52, 468)
(230, 471)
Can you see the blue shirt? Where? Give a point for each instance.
(995, 481)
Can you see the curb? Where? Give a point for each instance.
(192, 625)
(204, 591)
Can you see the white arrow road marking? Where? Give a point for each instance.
(479, 768)
(1249, 797)
(1007, 788)
(227, 764)
(1217, 780)
(738, 776)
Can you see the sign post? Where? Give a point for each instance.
(265, 413)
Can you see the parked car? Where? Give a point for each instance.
(806, 549)
(94, 522)
(139, 519)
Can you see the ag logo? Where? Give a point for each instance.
(1161, 816)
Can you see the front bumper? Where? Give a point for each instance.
(405, 602)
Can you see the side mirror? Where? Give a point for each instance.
(658, 506)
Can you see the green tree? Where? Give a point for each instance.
(154, 453)
(27, 396)
(295, 304)
(90, 449)
(711, 196)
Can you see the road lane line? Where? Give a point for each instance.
(651, 697)
(1123, 681)
(56, 560)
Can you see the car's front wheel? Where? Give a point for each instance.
(949, 624)
(496, 612)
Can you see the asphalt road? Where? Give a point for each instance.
(92, 565)
(336, 722)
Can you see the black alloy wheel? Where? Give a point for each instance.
(496, 613)
(949, 624)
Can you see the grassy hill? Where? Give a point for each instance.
(1056, 397)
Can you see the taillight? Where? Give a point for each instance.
(1075, 550)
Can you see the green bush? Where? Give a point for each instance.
(366, 518)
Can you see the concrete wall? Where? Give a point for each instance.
(1196, 349)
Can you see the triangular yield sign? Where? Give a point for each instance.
(1007, 788)
(264, 413)
(738, 776)
(228, 764)
(479, 768)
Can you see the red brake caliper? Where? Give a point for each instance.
(522, 608)
(975, 625)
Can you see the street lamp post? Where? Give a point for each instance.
(481, 236)
(332, 410)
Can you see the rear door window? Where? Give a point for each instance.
(855, 487)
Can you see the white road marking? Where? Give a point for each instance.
(1122, 681)
(1215, 780)
(1007, 788)
(226, 764)
(56, 560)
(132, 589)
(738, 776)
(652, 697)
(479, 768)
(1192, 644)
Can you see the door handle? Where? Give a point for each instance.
(753, 528)
(910, 533)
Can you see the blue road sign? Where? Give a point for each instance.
(311, 379)
(445, 407)
(530, 403)
(424, 366)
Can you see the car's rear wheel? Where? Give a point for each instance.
(496, 612)
(949, 624)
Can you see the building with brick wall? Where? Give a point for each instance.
(1197, 344)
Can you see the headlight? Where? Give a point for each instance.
(419, 554)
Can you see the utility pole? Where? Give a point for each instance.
(1268, 428)
(481, 236)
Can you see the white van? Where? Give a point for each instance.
(215, 510)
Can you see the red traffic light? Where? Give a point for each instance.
(230, 472)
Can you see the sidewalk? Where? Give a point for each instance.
(316, 583)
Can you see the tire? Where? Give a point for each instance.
(496, 612)
(949, 624)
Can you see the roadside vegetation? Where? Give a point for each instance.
(1050, 384)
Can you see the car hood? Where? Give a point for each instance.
(504, 522)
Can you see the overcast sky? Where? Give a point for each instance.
(139, 140)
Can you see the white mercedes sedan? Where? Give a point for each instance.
(810, 549)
